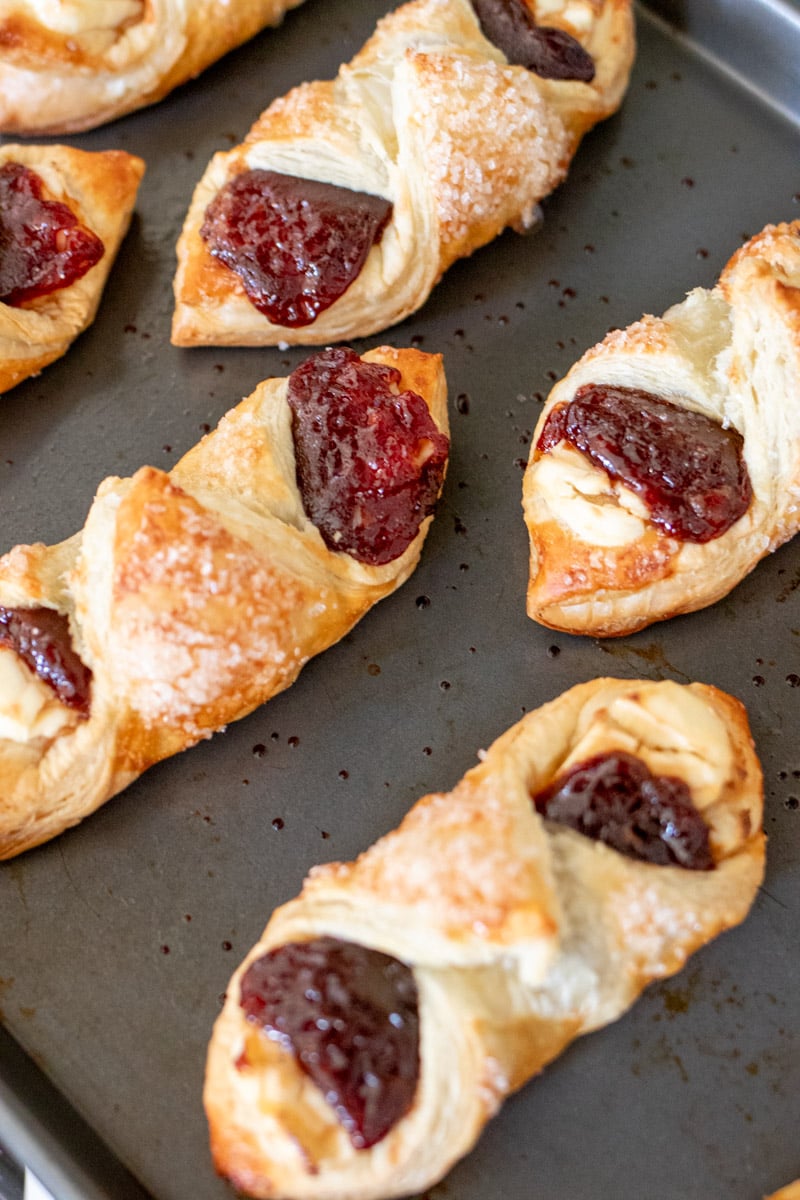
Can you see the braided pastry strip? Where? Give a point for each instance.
(521, 934)
(192, 597)
(430, 116)
(70, 65)
(732, 353)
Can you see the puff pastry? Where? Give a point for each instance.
(191, 597)
(100, 189)
(599, 562)
(520, 934)
(430, 116)
(790, 1192)
(69, 65)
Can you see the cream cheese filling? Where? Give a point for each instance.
(595, 508)
(75, 17)
(28, 707)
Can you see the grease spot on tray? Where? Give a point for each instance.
(651, 653)
(660, 1054)
(788, 588)
(676, 1000)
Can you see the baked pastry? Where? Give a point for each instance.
(69, 65)
(63, 215)
(386, 1012)
(790, 1192)
(349, 198)
(666, 463)
(189, 598)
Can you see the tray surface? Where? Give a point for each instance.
(120, 936)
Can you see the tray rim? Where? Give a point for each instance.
(39, 1126)
(745, 40)
(42, 1130)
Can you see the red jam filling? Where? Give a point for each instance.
(43, 247)
(615, 798)
(350, 1016)
(41, 638)
(687, 469)
(370, 460)
(551, 53)
(296, 244)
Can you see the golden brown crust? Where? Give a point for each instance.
(521, 934)
(598, 565)
(74, 66)
(431, 116)
(100, 188)
(790, 1192)
(193, 597)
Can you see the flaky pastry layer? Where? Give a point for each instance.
(192, 596)
(521, 935)
(598, 565)
(429, 115)
(100, 187)
(70, 65)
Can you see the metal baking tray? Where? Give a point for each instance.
(119, 937)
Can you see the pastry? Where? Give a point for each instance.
(666, 463)
(189, 598)
(349, 198)
(386, 1012)
(69, 65)
(790, 1192)
(63, 215)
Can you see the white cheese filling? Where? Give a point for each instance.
(596, 509)
(28, 706)
(76, 17)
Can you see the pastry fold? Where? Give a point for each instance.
(432, 117)
(100, 188)
(521, 934)
(598, 563)
(192, 597)
(70, 65)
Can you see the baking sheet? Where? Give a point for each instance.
(119, 937)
